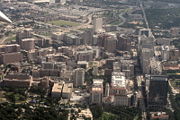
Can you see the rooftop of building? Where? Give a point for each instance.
(28, 39)
(8, 45)
(118, 79)
(98, 81)
(57, 87)
(86, 113)
(97, 85)
(67, 87)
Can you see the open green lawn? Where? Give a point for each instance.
(108, 116)
(116, 22)
(12, 37)
(176, 43)
(170, 1)
(164, 18)
(63, 23)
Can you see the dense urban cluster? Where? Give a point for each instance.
(89, 60)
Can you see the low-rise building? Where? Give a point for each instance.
(17, 80)
(62, 90)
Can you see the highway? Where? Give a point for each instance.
(145, 18)
(122, 18)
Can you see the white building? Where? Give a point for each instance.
(119, 91)
(118, 79)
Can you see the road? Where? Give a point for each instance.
(145, 19)
(175, 91)
(5, 38)
(169, 103)
(143, 106)
(122, 18)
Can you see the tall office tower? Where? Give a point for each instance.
(97, 91)
(87, 37)
(22, 35)
(145, 56)
(10, 48)
(28, 44)
(8, 58)
(123, 43)
(157, 89)
(98, 23)
(10, 54)
(127, 66)
(107, 90)
(78, 77)
(145, 42)
(110, 43)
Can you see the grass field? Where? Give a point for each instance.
(63, 23)
(12, 37)
(164, 18)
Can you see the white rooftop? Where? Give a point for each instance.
(118, 79)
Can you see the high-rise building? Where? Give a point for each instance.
(10, 54)
(122, 100)
(110, 43)
(22, 35)
(123, 43)
(78, 77)
(28, 44)
(10, 48)
(157, 89)
(8, 58)
(97, 91)
(107, 90)
(146, 55)
(98, 23)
